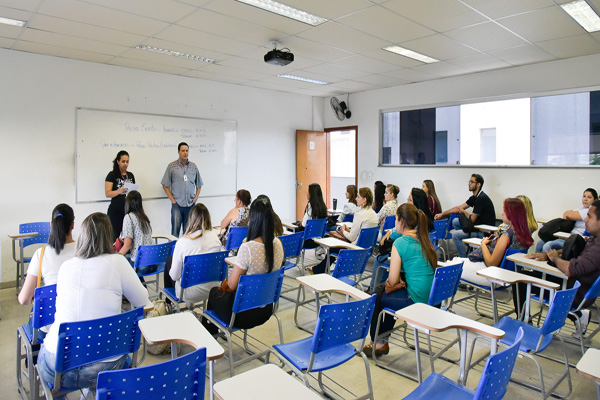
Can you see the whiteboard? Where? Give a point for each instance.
(151, 141)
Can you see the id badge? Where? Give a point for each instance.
(185, 178)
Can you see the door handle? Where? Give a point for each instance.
(298, 184)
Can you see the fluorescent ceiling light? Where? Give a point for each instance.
(300, 78)
(9, 21)
(175, 53)
(286, 11)
(585, 16)
(410, 54)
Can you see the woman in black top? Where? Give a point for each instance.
(115, 190)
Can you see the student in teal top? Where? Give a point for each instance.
(414, 255)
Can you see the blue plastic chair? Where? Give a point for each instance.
(315, 228)
(180, 378)
(367, 238)
(199, 269)
(449, 227)
(348, 218)
(440, 227)
(536, 340)
(236, 237)
(44, 302)
(292, 248)
(388, 223)
(492, 384)
(338, 326)
(153, 254)
(443, 289)
(589, 296)
(253, 291)
(351, 263)
(84, 342)
(43, 233)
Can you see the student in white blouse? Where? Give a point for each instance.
(199, 238)
(365, 218)
(91, 285)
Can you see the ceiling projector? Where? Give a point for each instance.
(279, 57)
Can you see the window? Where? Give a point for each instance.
(547, 130)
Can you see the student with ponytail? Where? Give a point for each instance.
(61, 247)
(414, 256)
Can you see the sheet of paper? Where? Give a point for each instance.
(131, 186)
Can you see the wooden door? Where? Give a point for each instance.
(312, 166)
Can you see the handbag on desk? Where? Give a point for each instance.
(339, 235)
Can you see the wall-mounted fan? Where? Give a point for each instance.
(340, 109)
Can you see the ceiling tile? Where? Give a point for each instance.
(354, 86)
(442, 69)
(101, 16)
(391, 58)
(61, 52)
(410, 75)
(439, 46)
(366, 64)
(203, 40)
(73, 42)
(256, 65)
(330, 9)
(6, 43)
(282, 82)
(197, 51)
(498, 9)
(162, 10)
(257, 16)
(574, 46)
(336, 70)
(389, 26)
(310, 49)
(234, 72)
(480, 62)
(226, 26)
(14, 13)
(544, 24)
(439, 15)
(162, 59)
(382, 80)
(27, 5)
(72, 28)
(486, 37)
(342, 37)
(522, 55)
(9, 31)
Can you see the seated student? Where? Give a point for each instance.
(378, 195)
(315, 207)
(276, 219)
(413, 254)
(432, 199)
(531, 221)
(578, 215)
(483, 214)
(418, 198)
(136, 230)
(89, 286)
(237, 216)
(61, 248)
(199, 238)
(512, 234)
(391, 203)
(350, 208)
(585, 268)
(260, 254)
(365, 218)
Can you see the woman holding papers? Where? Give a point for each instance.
(115, 190)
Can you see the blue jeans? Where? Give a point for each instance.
(458, 235)
(76, 378)
(395, 300)
(555, 244)
(179, 218)
(383, 273)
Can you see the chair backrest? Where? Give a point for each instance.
(507, 264)
(350, 262)
(84, 342)
(236, 237)
(593, 292)
(449, 227)
(389, 222)
(153, 254)
(203, 268)
(497, 371)
(42, 228)
(255, 291)
(180, 378)
(367, 238)
(292, 244)
(559, 309)
(44, 306)
(348, 218)
(440, 226)
(315, 228)
(342, 323)
(444, 283)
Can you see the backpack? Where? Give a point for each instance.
(547, 231)
(572, 248)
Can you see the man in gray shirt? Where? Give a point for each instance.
(182, 184)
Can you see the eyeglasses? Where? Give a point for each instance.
(472, 182)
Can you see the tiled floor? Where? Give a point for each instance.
(350, 376)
